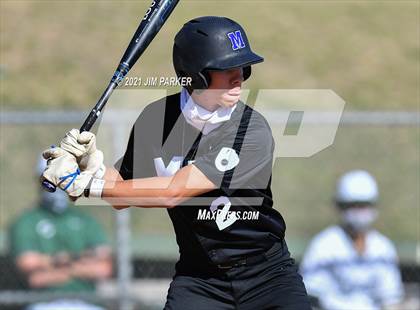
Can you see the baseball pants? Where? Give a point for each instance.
(269, 285)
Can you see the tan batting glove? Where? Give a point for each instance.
(63, 171)
(83, 147)
(69, 143)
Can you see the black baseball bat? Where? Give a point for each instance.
(156, 15)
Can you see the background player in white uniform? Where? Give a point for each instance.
(351, 265)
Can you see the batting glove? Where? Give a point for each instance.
(63, 171)
(83, 147)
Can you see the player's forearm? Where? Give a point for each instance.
(164, 192)
(147, 192)
(123, 194)
(112, 175)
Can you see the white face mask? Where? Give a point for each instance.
(359, 219)
(200, 118)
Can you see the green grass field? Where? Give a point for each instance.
(61, 55)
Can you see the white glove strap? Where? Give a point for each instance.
(100, 173)
(96, 188)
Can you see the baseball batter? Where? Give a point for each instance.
(206, 157)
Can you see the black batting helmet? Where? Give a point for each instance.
(211, 43)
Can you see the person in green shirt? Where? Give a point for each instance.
(59, 248)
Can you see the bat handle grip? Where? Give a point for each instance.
(90, 120)
(96, 111)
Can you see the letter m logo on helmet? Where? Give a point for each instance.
(236, 40)
(211, 43)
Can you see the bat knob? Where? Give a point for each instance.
(48, 186)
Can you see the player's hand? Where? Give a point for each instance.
(63, 171)
(83, 147)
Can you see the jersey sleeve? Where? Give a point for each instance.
(241, 158)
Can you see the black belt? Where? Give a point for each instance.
(249, 261)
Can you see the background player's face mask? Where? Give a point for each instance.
(200, 118)
(56, 202)
(359, 219)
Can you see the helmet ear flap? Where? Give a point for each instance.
(201, 80)
(246, 72)
(205, 78)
